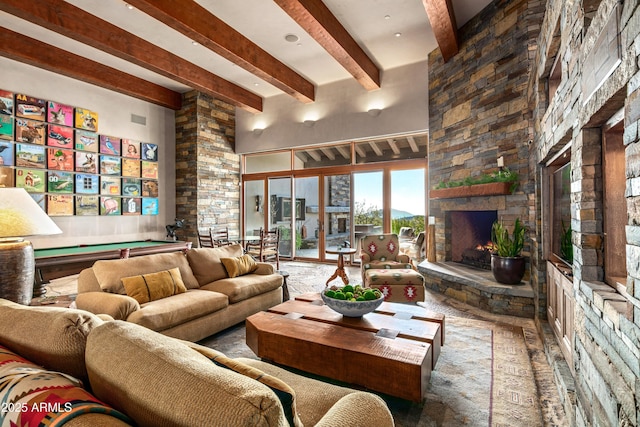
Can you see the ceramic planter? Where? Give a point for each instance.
(508, 270)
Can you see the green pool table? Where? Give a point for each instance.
(52, 263)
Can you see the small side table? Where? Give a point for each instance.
(285, 288)
(59, 301)
(340, 271)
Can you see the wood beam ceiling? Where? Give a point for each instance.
(324, 27)
(443, 23)
(197, 23)
(70, 21)
(34, 52)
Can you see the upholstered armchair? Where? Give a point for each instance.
(385, 268)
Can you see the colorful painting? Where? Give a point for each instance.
(110, 165)
(87, 184)
(59, 205)
(31, 180)
(6, 177)
(6, 127)
(30, 107)
(110, 185)
(6, 102)
(86, 162)
(131, 168)
(30, 156)
(149, 188)
(60, 136)
(149, 170)
(149, 152)
(60, 114)
(109, 145)
(110, 205)
(6, 153)
(131, 206)
(30, 131)
(130, 149)
(59, 182)
(87, 205)
(58, 159)
(85, 119)
(131, 187)
(149, 206)
(87, 141)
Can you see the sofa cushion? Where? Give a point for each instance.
(154, 286)
(32, 395)
(206, 264)
(159, 380)
(181, 308)
(53, 337)
(110, 272)
(244, 287)
(239, 266)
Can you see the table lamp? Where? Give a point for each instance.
(20, 216)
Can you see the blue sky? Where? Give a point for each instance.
(407, 190)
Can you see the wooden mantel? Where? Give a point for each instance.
(476, 190)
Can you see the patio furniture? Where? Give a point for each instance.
(415, 248)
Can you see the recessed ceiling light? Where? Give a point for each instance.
(387, 16)
(128, 6)
(195, 43)
(398, 34)
(256, 84)
(291, 38)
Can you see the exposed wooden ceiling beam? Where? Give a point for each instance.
(360, 150)
(443, 22)
(375, 148)
(344, 151)
(197, 23)
(393, 145)
(315, 156)
(412, 144)
(34, 52)
(329, 153)
(324, 27)
(73, 22)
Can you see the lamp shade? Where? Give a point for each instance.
(21, 216)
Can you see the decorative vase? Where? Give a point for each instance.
(508, 270)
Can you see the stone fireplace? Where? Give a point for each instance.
(468, 234)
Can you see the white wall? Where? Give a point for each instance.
(114, 118)
(341, 113)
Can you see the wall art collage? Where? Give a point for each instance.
(54, 152)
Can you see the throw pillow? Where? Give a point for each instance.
(154, 286)
(239, 266)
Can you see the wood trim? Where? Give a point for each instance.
(75, 23)
(317, 20)
(34, 52)
(443, 23)
(489, 189)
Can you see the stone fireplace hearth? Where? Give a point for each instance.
(469, 235)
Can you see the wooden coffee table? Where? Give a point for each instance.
(392, 350)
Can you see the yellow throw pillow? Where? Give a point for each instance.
(238, 266)
(154, 286)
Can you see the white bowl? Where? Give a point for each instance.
(352, 308)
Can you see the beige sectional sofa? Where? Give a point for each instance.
(212, 302)
(144, 378)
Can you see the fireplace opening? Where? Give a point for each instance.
(470, 237)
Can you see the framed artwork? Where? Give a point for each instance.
(58, 159)
(60, 136)
(6, 127)
(60, 182)
(131, 206)
(110, 205)
(86, 119)
(131, 187)
(59, 205)
(149, 152)
(87, 205)
(149, 206)
(110, 165)
(86, 162)
(30, 107)
(30, 156)
(130, 149)
(30, 131)
(6, 102)
(31, 180)
(131, 168)
(110, 185)
(87, 184)
(149, 170)
(40, 199)
(87, 141)
(149, 188)
(6, 177)
(109, 145)
(6, 153)
(60, 114)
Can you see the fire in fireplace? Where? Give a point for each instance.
(470, 237)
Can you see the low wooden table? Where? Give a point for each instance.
(392, 350)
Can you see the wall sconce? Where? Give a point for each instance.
(258, 203)
(257, 131)
(374, 112)
(500, 161)
(309, 123)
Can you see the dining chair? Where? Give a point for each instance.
(267, 248)
(205, 240)
(220, 236)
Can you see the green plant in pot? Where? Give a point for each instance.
(507, 263)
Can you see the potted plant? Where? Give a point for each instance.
(507, 263)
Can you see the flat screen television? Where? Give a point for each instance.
(561, 214)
